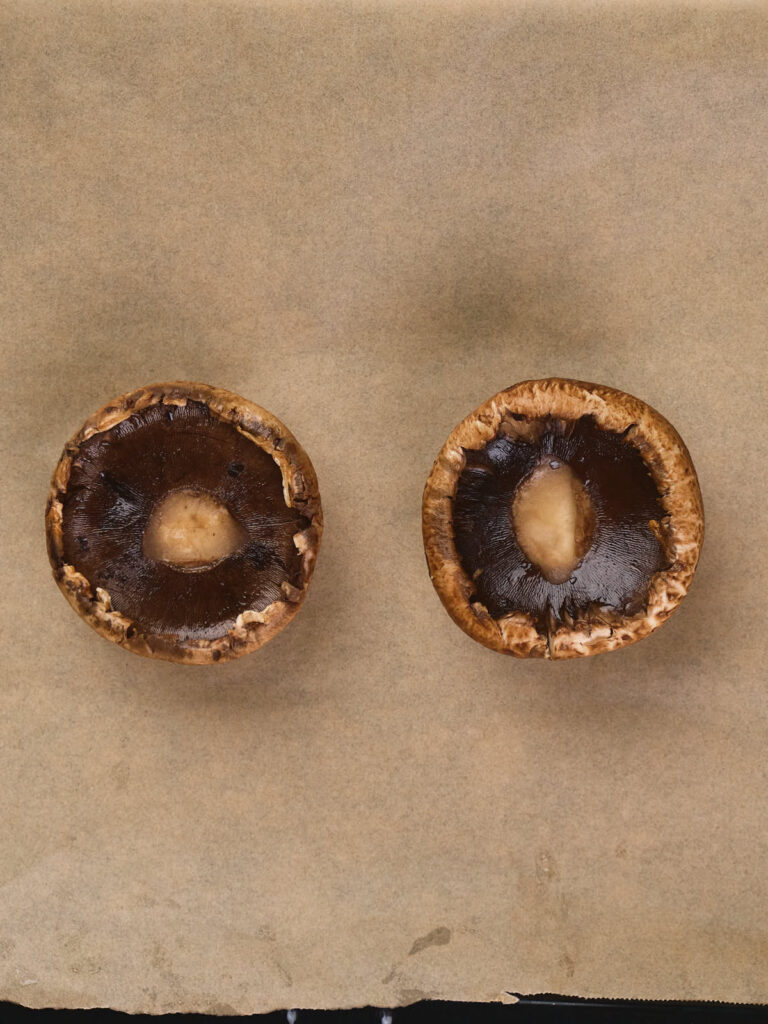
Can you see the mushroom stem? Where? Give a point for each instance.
(553, 519)
(190, 530)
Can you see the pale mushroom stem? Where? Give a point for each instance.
(189, 529)
(553, 519)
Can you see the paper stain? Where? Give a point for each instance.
(412, 995)
(437, 937)
(86, 965)
(283, 971)
(266, 933)
(161, 961)
(159, 957)
(546, 867)
(120, 773)
(567, 964)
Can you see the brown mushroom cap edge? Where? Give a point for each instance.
(300, 490)
(681, 532)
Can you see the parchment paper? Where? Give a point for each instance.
(368, 219)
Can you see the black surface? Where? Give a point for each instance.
(529, 1010)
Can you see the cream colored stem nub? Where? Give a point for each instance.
(190, 530)
(553, 519)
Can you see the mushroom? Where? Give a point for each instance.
(183, 523)
(562, 519)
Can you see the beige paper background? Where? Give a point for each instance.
(369, 218)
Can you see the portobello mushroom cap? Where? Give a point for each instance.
(183, 523)
(562, 519)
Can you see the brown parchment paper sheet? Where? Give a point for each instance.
(368, 219)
